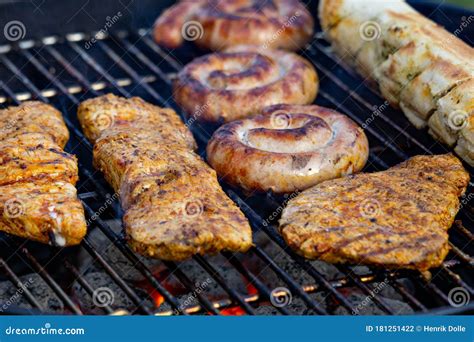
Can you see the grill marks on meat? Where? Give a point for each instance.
(396, 218)
(174, 206)
(38, 200)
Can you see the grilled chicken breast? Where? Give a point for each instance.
(417, 65)
(38, 200)
(396, 218)
(174, 206)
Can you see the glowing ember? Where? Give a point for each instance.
(157, 299)
(234, 311)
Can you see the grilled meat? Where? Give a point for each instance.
(174, 206)
(43, 211)
(34, 156)
(396, 218)
(38, 199)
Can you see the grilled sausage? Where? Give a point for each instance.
(287, 148)
(241, 81)
(417, 65)
(174, 206)
(38, 200)
(219, 24)
(394, 219)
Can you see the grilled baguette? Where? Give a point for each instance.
(38, 199)
(417, 65)
(174, 206)
(395, 219)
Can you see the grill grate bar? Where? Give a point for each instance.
(461, 255)
(407, 295)
(464, 230)
(118, 280)
(48, 75)
(19, 284)
(200, 135)
(86, 286)
(456, 279)
(51, 282)
(365, 288)
(71, 70)
(9, 92)
(236, 297)
(156, 48)
(90, 61)
(264, 290)
(138, 80)
(5, 60)
(25, 80)
(294, 287)
(144, 59)
(434, 289)
(189, 285)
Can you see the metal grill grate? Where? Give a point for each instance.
(63, 72)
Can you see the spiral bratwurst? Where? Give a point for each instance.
(287, 148)
(242, 81)
(218, 24)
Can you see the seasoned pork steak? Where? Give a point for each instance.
(174, 206)
(396, 218)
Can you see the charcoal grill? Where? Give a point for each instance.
(65, 69)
